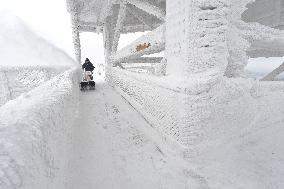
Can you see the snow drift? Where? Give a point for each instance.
(17, 80)
(38, 111)
(35, 133)
(26, 60)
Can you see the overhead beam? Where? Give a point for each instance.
(151, 43)
(149, 8)
(139, 17)
(106, 10)
(144, 60)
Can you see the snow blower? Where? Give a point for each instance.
(88, 82)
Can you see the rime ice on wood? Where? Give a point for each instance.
(205, 42)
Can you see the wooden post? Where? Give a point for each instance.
(107, 35)
(76, 36)
(119, 26)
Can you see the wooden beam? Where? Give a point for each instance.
(108, 36)
(151, 43)
(272, 75)
(139, 17)
(119, 25)
(144, 60)
(106, 10)
(149, 8)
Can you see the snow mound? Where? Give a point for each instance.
(35, 131)
(26, 60)
(15, 81)
(20, 46)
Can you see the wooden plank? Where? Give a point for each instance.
(119, 25)
(272, 75)
(144, 60)
(147, 7)
(151, 43)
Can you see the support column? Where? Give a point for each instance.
(196, 38)
(76, 36)
(108, 36)
(119, 26)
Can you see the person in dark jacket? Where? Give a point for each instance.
(88, 66)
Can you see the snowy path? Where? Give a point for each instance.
(111, 152)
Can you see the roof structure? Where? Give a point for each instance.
(266, 12)
(92, 14)
(232, 29)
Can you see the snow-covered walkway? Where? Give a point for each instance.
(110, 150)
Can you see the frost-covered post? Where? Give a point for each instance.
(108, 36)
(76, 36)
(196, 38)
(74, 8)
(119, 25)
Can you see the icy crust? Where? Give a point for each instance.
(211, 35)
(231, 133)
(196, 37)
(240, 141)
(156, 103)
(35, 133)
(17, 80)
(186, 104)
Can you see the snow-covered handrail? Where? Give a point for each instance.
(34, 134)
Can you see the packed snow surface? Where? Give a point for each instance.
(112, 150)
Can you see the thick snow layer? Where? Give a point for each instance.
(232, 130)
(112, 147)
(17, 80)
(240, 143)
(19, 46)
(35, 125)
(26, 60)
(35, 135)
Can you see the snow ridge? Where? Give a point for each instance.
(17, 80)
(34, 146)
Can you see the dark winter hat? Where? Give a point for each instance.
(87, 60)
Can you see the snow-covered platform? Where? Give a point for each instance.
(111, 147)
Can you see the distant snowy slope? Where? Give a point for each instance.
(20, 46)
